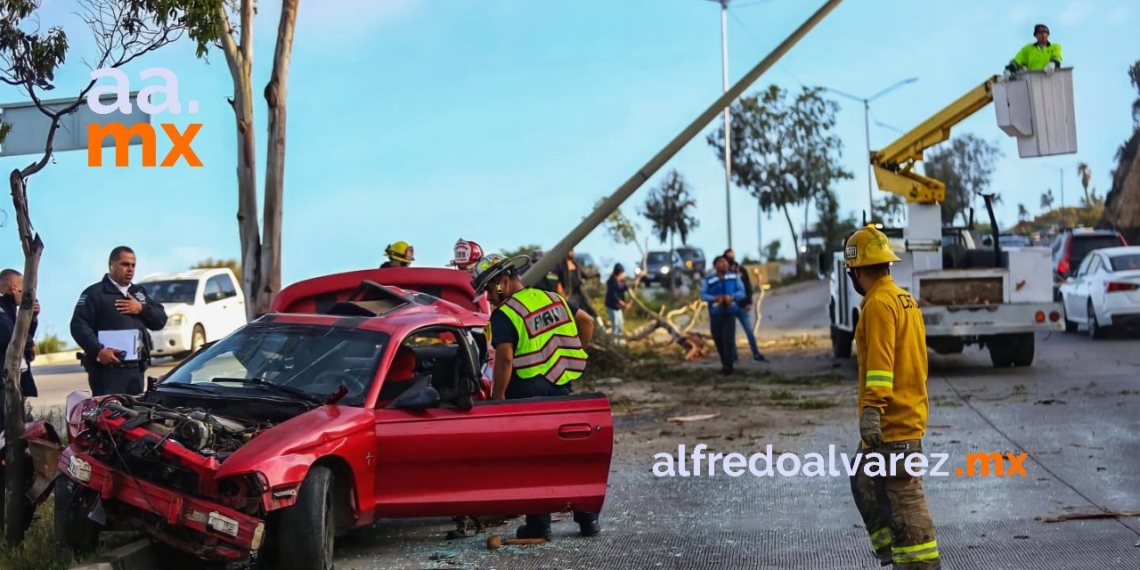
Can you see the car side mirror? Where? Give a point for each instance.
(420, 400)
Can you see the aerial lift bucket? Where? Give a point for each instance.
(1037, 109)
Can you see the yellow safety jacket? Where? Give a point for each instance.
(548, 342)
(891, 348)
(1035, 57)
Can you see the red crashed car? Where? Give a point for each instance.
(352, 401)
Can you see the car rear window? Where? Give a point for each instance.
(1082, 245)
(1127, 262)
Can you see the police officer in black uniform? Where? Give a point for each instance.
(115, 304)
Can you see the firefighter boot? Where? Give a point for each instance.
(537, 526)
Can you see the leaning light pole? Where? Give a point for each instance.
(607, 207)
(727, 119)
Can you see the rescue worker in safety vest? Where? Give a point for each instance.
(538, 338)
(400, 254)
(1041, 55)
(893, 404)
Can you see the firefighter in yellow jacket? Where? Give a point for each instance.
(539, 339)
(893, 407)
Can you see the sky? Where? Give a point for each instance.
(504, 121)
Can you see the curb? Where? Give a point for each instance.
(138, 555)
(67, 357)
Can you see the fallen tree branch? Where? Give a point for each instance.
(1089, 516)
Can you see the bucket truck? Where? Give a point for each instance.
(994, 297)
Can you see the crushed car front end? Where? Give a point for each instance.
(142, 466)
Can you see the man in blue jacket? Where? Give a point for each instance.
(723, 291)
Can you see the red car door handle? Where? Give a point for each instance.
(575, 431)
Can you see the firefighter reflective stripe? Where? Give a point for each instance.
(881, 538)
(548, 342)
(916, 553)
(880, 379)
(556, 342)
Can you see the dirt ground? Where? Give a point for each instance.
(663, 401)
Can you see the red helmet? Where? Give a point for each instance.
(467, 254)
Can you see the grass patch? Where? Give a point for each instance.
(39, 550)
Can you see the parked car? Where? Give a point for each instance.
(1070, 246)
(202, 306)
(693, 259)
(660, 270)
(1104, 293)
(349, 402)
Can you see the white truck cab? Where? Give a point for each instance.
(202, 305)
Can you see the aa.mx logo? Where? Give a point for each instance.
(122, 134)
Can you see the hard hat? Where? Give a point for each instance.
(466, 254)
(494, 266)
(868, 246)
(401, 251)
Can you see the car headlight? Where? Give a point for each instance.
(664, 270)
(175, 320)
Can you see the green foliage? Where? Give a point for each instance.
(621, 229)
(39, 550)
(784, 152)
(833, 229)
(522, 250)
(772, 251)
(891, 210)
(211, 263)
(668, 208)
(51, 344)
(205, 21)
(965, 167)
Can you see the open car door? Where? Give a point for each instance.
(501, 457)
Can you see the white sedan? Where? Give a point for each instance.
(1104, 293)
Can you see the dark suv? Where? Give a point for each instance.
(1072, 245)
(693, 259)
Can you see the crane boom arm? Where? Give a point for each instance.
(894, 165)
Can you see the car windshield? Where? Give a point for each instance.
(658, 257)
(1126, 262)
(315, 360)
(1084, 244)
(174, 291)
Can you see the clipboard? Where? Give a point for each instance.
(128, 341)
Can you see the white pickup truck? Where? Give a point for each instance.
(202, 305)
(966, 298)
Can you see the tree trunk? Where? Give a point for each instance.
(275, 95)
(240, 61)
(14, 492)
(672, 275)
(795, 240)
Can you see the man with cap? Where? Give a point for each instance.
(539, 341)
(893, 407)
(1041, 55)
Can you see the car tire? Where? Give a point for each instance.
(197, 339)
(841, 342)
(72, 527)
(1001, 350)
(1023, 349)
(1096, 331)
(307, 530)
(1070, 326)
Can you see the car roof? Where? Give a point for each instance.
(188, 274)
(1118, 250)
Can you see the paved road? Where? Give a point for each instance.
(56, 381)
(1076, 412)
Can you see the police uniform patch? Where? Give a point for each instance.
(850, 252)
(139, 295)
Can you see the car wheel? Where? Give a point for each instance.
(1001, 351)
(72, 527)
(1070, 326)
(1023, 349)
(307, 530)
(197, 339)
(1095, 330)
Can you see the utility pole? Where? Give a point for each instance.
(727, 121)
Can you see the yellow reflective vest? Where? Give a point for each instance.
(1035, 57)
(891, 348)
(548, 342)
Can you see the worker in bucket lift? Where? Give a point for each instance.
(466, 255)
(893, 403)
(400, 254)
(1041, 55)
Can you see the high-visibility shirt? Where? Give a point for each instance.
(545, 336)
(1035, 57)
(891, 348)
